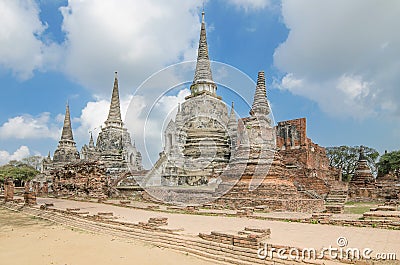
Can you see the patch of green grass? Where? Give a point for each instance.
(362, 203)
(356, 209)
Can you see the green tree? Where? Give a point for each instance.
(17, 171)
(389, 162)
(346, 157)
(33, 161)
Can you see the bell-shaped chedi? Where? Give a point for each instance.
(66, 151)
(362, 174)
(114, 145)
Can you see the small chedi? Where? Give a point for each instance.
(362, 184)
(66, 151)
(364, 187)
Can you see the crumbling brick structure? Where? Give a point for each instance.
(30, 192)
(364, 187)
(82, 179)
(30, 198)
(8, 190)
(266, 178)
(44, 190)
(305, 161)
(388, 187)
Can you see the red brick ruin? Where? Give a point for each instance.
(8, 190)
(364, 187)
(30, 192)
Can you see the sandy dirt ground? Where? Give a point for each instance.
(26, 240)
(283, 233)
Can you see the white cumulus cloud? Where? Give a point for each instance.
(342, 54)
(95, 113)
(21, 152)
(21, 50)
(248, 5)
(29, 127)
(135, 38)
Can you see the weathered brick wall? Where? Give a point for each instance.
(291, 182)
(297, 149)
(30, 198)
(274, 193)
(310, 156)
(292, 133)
(8, 190)
(306, 162)
(82, 179)
(381, 190)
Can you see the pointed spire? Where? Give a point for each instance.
(362, 174)
(362, 154)
(232, 114)
(114, 115)
(203, 68)
(48, 155)
(66, 150)
(203, 80)
(91, 142)
(67, 130)
(260, 104)
(232, 122)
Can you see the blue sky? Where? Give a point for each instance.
(335, 62)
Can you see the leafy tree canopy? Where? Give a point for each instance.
(389, 162)
(18, 171)
(33, 161)
(346, 157)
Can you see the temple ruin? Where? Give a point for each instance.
(114, 148)
(66, 151)
(197, 143)
(365, 187)
(238, 162)
(211, 155)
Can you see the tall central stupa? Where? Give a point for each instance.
(198, 143)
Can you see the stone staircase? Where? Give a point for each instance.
(308, 193)
(154, 173)
(335, 200)
(336, 197)
(387, 212)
